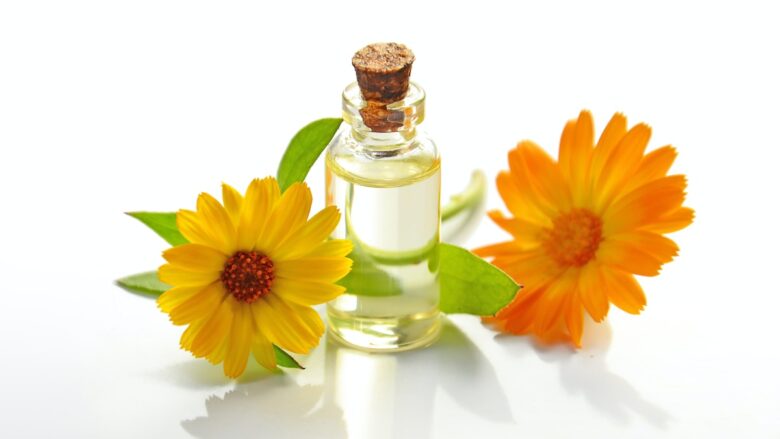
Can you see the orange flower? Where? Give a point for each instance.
(584, 226)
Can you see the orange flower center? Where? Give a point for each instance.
(574, 238)
(248, 276)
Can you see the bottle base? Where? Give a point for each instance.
(373, 334)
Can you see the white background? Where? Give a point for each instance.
(108, 107)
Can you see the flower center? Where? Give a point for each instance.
(248, 276)
(574, 238)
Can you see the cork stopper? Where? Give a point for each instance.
(383, 71)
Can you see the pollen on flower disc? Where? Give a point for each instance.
(248, 276)
(574, 238)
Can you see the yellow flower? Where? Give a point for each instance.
(251, 272)
(584, 226)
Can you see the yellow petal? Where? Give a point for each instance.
(281, 326)
(263, 351)
(198, 306)
(308, 237)
(324, 269)
(261, 196)
(592, 292)
(305, 319)
(176, 276)
(195, 257)
(233, 202)
(240, 342)
(306, 292)
(289, 214)
(176, 296)
(190, 225)
(214, 331)
(189, 334)
(332, 248)
(216, 221)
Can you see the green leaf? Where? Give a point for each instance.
(470, 285)
(367, 279)
(284, 359)
(144, 283)
(163, 223)
(304, 149)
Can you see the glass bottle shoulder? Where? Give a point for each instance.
(382, 166)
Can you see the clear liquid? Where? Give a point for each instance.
(392, 296)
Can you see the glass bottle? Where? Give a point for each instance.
(383, 173)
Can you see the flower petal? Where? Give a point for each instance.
(500, 249)
(176, 296)
(261, 196)
(233, 201)
(240, 342)
(518, 201)
(263, 351)
(628, 257)
(534, 169)
(281, 326)
(214, 332)
(575, 155)
(288, 215)
(624, 291)
(216, 221)
(198, 306)
(176, 276)
(671, 222)
(195, 257)
(525, 233)
(654, 165)
(306, 292)
(613, 132)
(573, 316)
(332, 248)
(191, 226)
(592, 291)
(552, 303)
(308, 237)
(645, 205)
(324, 269)
(620, 166)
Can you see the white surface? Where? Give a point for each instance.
(108, 107)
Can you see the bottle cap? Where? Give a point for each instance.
(382, 71)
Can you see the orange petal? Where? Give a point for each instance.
(525, 233)
(645, 205)
(620, 166)
(592, 293)
(573, 315)
(575, 155)
(624, 291)
(552, 304)
(520, 202)
(654, 165)
(536, 171)
(671, 222)
(613, 132)
(628, 257)
(500, 249)
(658, 246)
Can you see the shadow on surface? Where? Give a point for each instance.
(586, 372)
(361, 395)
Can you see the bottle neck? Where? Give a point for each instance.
(384, 127)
